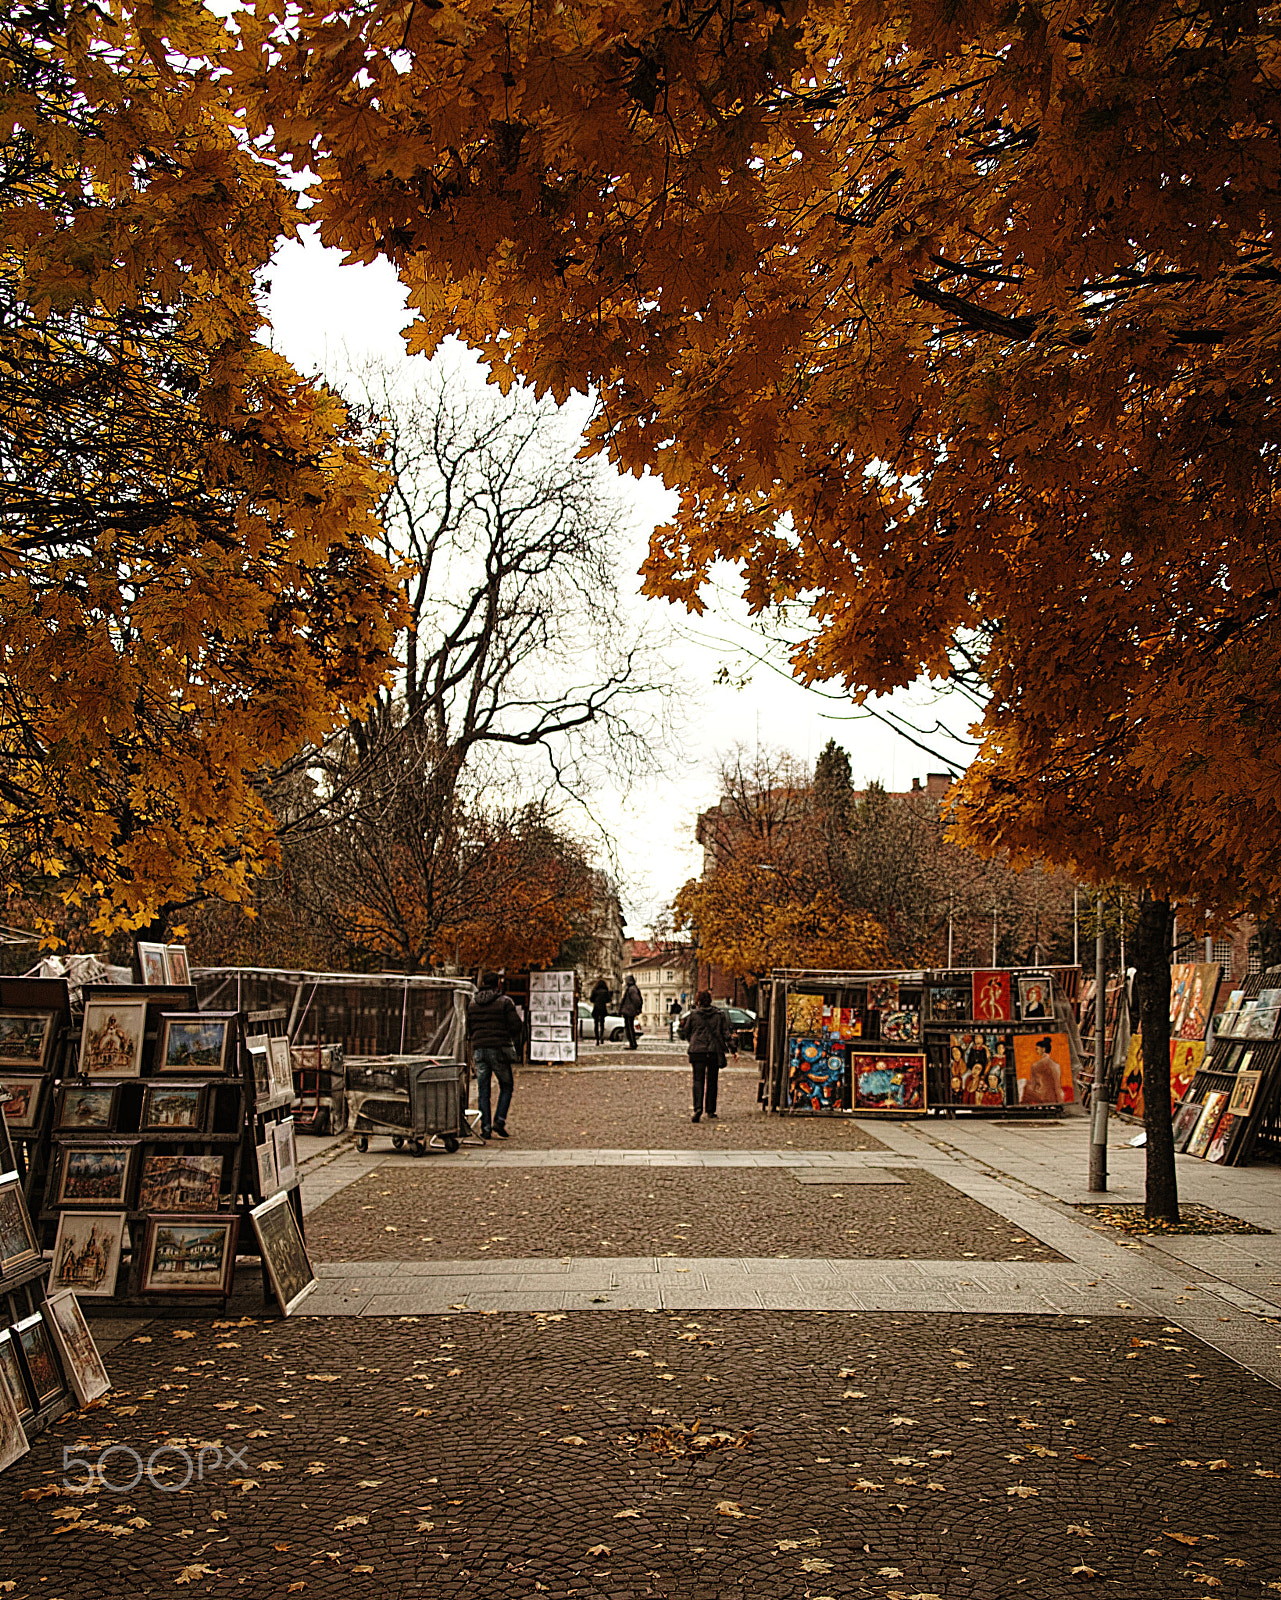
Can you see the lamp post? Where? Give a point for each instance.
(1099, 1099)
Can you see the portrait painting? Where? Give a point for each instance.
(25, 1037)
(43, 1372)
(180, 1183)
(15, 1379)
(88, 1107)
(111, 1038)
(176, 1106)
(194, 1042)
(900, 1027)
(152, 964)
(889, 1082)
(1226, 1132)
(17, 1237)
(992, 997)
(1129, 1097)
(95, 1177)
(1185, 1121)
(1186, 1056)
(1244, 1091)
(86, 1253)
(804, 1013)
(1212, 1109)
(80, 1359)
(977, 1063)
(26, 1099)
(189, 1255)
(1035, 1003)
(882, 995)
(176, 964)
(283, 1252)
(1043, 1069)
(13, 1437)
(1193, 985)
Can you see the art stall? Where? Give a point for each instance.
(48, 1357)
(1228, 1108)
(906, 1043)
(1193, 987)
(158, 1143)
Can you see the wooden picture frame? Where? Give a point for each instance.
(193, 1043)
(280, 1069)
(86, 1253)
(88, 1107)
(40, 1360)
(13, 1435)
(1212, 1109)
(26, 1101)
(282, 1137)
(95, 1177)
(187, 1184)
(18, 1243)
(888, 1080)
(1185, 1121)
(80, 1359)
(1244, 1091)
(15, 1378)
(268, 1183)
(1036, 1003)
(152, 967)
(111, 1038)
(25, 1037)
(283, 1252)
(169, 1107)
(177, 966)
(189, 1256)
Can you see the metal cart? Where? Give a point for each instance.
(380, 1102)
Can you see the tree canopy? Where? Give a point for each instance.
(949, 321)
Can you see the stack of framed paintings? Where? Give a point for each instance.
(35, 1014)
(1230, 1112)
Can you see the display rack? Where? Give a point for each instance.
(29, 1147)
(1253, 1135)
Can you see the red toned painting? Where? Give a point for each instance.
(1043, 1067)
(992, 997)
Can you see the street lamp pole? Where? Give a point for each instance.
(1099, 1099)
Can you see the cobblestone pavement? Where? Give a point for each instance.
(687, 1456)
(650, 1110)
(434, 1211)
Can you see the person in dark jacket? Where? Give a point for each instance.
(601, 995)
(495, 1031)
(710, 1038)
(630, 1007)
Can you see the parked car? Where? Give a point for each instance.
(741, 1020)
(615, 1028)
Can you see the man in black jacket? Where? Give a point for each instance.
(710, 1037)
(630, 1007)
(495, 1031)
(600, 998)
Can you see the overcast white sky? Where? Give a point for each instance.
(327, 317)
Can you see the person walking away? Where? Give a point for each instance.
(673, 1018)
(600, 998)
(495, 1031)
(710, 1037)
(631, 1006)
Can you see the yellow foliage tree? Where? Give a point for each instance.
(188, 593)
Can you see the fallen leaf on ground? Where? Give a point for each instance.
(323, 1377)
(1083, 1571)
(619, 1515)
(1022, 1491)
(815, 1564)
(193, 1573)
(1184, 1538)
(349, 1522)
(598, 1550)
(728, 1508)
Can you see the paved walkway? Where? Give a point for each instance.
(1226, 1289)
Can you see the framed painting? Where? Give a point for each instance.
(1226, 1133)
(283, 1252)
(843, 1022)
(189, 1255)
(152, 966)
(25, 1037)
(804, 1013)
(17, 1237)
(180, 1183)
(1230, 1015)
(266, 1154)
(13, 1436)
(1035, 1004)
(90, 1178)
(43, 1372)
(1186, 1056)
(977, 1067)
(816, 1075)
(177, 966)
(280, 1068)
(260, 1068)
(882, 994)
(174, 1107)
(1259, 1020)
(1129, 1097)
(889, 1082)
(900, 1027)
(111, 1038)
(992, 997)
(88, 1107)
(950, 1002)
(286, 1152)
(86, 1253)
(1185, 1121)
(1043, 1069)
(1212, 1109)
(26, 1101)
(195, 1041)
(80, 1359)
(1193, 985)
(1244, 1091)
(15, 1378)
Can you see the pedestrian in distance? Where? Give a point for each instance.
(601, 995)
(710, 1038)
(673, 1018)
(496, 1033)
(630, 1007)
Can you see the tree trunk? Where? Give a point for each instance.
(1151, 948)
